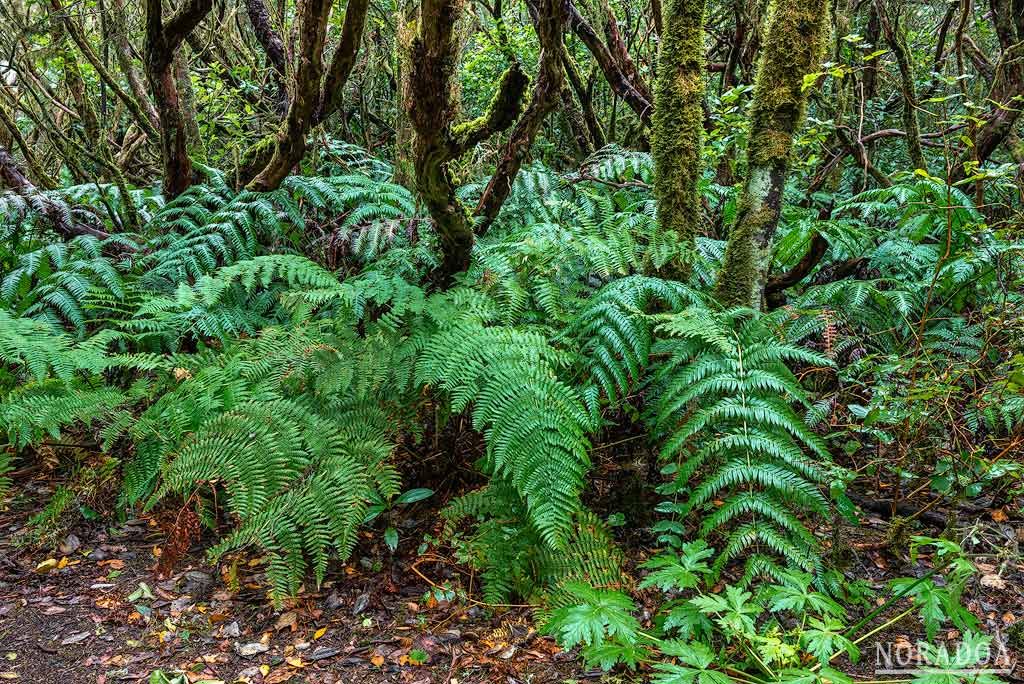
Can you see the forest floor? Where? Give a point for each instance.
(90, 607)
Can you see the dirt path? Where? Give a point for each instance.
(95, 612)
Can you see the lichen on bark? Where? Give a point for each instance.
(431, 106)
(794, 43)
(678, 121)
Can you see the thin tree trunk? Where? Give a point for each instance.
(793, 47)
(585, 99)
(290, 144)
(123, 53)
(162, 41)
(897, 41)
(273, 47)
(433, 56)
(75, 31)
(619, 82)
(549, 21)
(1007, 85)
(315, 96)
(678, 130)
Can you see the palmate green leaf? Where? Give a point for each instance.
(734, 610)
(796, 596)
(597, 615)
(687, 621)
(936, 604)
(824, 638)
(682, 570)
(608, 655)
(823, 675)
(698, 664)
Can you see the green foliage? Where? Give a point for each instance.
(534, 424)
(726, 371)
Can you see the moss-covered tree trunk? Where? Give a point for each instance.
(162, 41)
(632, 93)
(678, 121)
(431, 105)
(897, 40)
(315, 94)
(549, 19)
(273, 47)
(123, 54)
(793, 45)
(290, 144)
(1006, 89)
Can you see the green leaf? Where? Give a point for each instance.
(391, 538)
(413, 495)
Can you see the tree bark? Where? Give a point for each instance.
(162, 41)
(123, 53)
(433, 56)
(897, 41)
(266, 36)
(619, 82)
(14, 178)
(290, 143)
(549, 20)
(585, 99)
(314, 96)
(1007, 85)
(678, 122)
(793, 47)
(77, 35)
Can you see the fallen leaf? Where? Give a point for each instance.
(249, 650)
(319, 633)
(46, 566)
(999, 515)
(295, 662)
(289, 620)
(993, 581)
(75, 638)
(377, 660)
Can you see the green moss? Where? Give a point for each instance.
(678, 120)
(742, 276)
(504, 108)
(794, 44)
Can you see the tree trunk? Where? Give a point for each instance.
(793, 47)
(406, 19)
(290, 144)
(549, 21)
(1007, 85)
(433, 57)
(897, 41)
(162, 41)
(617, 79)
(123, 53)
(585, 99)
(678, 122)
(272, 46)
(314, 95)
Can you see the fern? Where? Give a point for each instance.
(722, 404)
(535, 425)
(298, 484)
